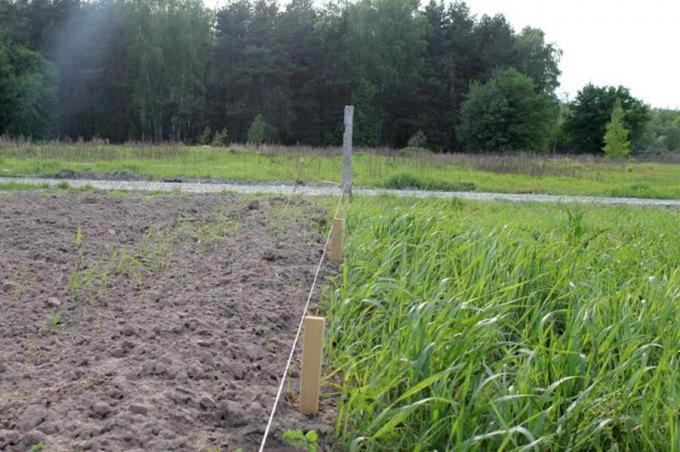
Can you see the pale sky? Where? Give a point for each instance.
(607, 42)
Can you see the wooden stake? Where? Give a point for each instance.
(347, 150)
(335, 247)
(312, 352)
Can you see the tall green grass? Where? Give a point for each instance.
(496, 327)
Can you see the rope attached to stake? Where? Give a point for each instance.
(297, 334)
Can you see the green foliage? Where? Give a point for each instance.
(28, 97)
(300, 440)
(256, 132)
(460, 326)
(662, 133)
(419, 140)
(164, 70)
(369, 121)
(539, 60)
(221, 138)
(411, 181)
(261, 132)
(205, 137)
(506, 114)
(616, 142)
(592, 109)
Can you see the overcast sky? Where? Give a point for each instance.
(606, 42)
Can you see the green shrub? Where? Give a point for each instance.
(221, 138)
(419, 140)
(411, 181)
(205, 137)
(261, 132)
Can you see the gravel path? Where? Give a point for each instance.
(332, 190)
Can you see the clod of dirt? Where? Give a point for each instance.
(53, 302)
(101, 409)
(33, 416)
(8, 286)
(65, 174)
(207, 402)
(138, 408)
(32, 438)
(8, 438)
(128, 330)
(232, 414)
(270, 255)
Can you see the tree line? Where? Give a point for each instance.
(156, 70)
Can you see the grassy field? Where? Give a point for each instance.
(494, 173)
(498, 327)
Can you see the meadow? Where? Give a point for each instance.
(518, 173)
(466, 326)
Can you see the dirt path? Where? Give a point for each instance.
(135, 322)
(326, 190)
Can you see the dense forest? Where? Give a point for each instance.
(155, 70)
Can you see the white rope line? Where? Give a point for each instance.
(297, 334)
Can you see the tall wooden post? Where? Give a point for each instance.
(335, 246)
(347, 152)
(312, 353)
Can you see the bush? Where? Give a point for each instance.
(410, 181)
(205, 137)
(221, 138)
(507, 114)
(419, 140)
(261, 132)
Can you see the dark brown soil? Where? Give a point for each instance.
(151, 323)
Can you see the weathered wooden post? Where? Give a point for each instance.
(312, 354)
(335, 247)
(347, 153)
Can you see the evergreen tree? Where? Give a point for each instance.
(616, 142)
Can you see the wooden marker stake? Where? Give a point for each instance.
(310, 377)
(335, 247)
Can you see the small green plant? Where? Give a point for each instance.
(79, 236)
(55, 320)
(53, 324)
(300, 440)
(36, 447)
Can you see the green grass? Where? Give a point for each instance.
(462, 326)
(507, 174)
(20, 186)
